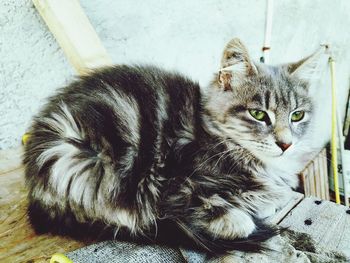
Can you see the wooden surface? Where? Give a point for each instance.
(315, 177)
(326, 222)
(10, 159)
(18, 242)
(74, 33)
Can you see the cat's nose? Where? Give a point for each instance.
(283, 146)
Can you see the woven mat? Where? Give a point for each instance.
(290, 247)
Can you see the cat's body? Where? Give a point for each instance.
(130, 147)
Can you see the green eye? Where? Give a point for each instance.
(297, 116)
(258, 114)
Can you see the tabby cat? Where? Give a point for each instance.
(150, 153)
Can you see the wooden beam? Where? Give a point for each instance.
(74, 33)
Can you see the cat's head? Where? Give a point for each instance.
(265, 109)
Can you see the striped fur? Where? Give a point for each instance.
(149, 152)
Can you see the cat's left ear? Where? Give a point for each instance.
(236, 65)
(310, 68)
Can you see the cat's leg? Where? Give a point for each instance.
(221, 219)
(216, 225)
(266, 211)
(235, 223)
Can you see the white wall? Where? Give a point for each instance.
(187, 35)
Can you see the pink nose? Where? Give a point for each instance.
(283, 146)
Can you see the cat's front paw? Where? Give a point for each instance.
(234, 224)
(266, 211)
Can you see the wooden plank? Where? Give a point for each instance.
(322, 177)
(18, 241)
(306, 182)
(309, 181)
(312, 180)
(326, 222)
(10, 159)
(317, 177)
(325, 169)
(74, 33)
(314, 177)
(307, 178)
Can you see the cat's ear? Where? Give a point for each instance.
(310, 68)
(236, 65)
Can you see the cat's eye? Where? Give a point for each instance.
(297, 116)
(258, 114)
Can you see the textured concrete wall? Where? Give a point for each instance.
(31, 66)
(184, 35)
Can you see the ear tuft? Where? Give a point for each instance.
(225, 80)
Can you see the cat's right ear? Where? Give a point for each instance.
(236, 65)
(310, 68)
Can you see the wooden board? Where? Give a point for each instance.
(314, 177)
(326, 222)
(74, 33)
(18, 241)
(10, 159)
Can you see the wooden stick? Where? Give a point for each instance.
(317, 177)
(74, 33)
(306, 176)
(325, 169)
(268, 29)
(322, 175)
